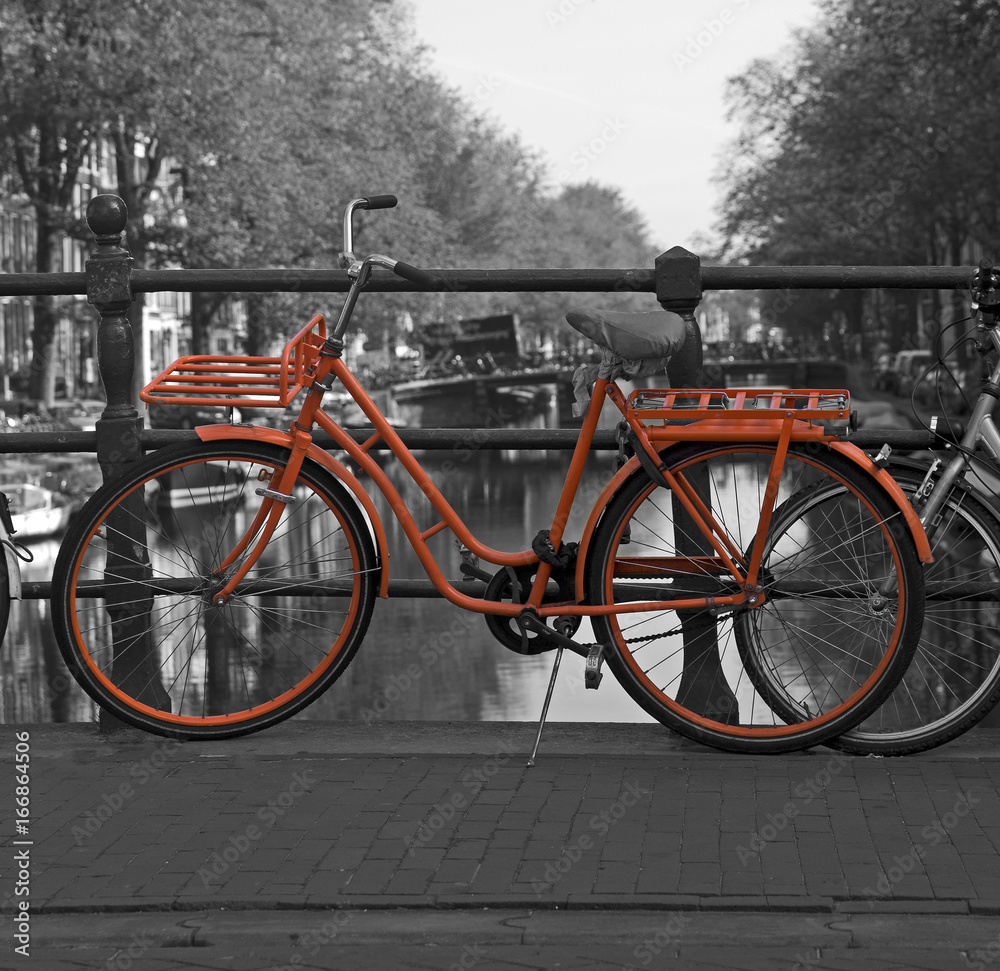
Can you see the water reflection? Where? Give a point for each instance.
(422, 659)
(34, 683)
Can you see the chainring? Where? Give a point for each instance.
(501, 590)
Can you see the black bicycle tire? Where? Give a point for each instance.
(4, 595)
(73, 547)
(717, 734)
(986, 698)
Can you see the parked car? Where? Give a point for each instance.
(907, 368)
(161, 415)
(81, 415)
(12, 411)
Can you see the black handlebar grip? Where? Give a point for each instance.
(414, 274)
(381, 202)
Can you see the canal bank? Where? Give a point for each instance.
(432, 844)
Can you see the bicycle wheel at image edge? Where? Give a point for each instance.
(133, 586)
(953, 681)
(4, 594)
(840, 610)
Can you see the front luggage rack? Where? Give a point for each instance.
(259, 382)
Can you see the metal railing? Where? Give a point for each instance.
(677, 280)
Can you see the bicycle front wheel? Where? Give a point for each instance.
(953, 681)
(836, 615)
(134, 587)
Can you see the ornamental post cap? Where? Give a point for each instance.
(107, 215)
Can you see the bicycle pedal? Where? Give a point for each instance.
(276, 496)
(592, 673)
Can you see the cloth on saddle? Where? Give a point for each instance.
(632, 346)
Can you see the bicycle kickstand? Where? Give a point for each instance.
(545, 706)
(533, 623)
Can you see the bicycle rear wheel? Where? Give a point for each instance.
(953, 681)
(840, 609)
(134, 581)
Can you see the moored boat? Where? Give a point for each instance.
(37, 511)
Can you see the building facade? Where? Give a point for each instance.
(166, 316)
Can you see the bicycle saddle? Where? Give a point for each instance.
(633, 345)
(656, 335)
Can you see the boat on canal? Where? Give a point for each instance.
(37, 511)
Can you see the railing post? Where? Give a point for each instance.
(703, 686)
(109, 289)
(127, 572)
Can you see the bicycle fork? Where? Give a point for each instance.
(265, 521)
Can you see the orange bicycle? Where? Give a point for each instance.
(221, 585)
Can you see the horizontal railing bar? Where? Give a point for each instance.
(836, 277)
(46, 284)
(592, 280)
(337, 281)
(624, 592)
(502, 281)
(411, 589)
(556, 439)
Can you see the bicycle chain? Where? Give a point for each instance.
(636, 640)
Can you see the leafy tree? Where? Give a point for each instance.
(50, 70)
(855, 146)
(239, 130)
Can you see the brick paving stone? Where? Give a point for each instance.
(397, 829)
(422, 858)
(328, 883)
(615, 877)
(476, 829)
(386, 849)
(516, 821)
(294, 872)
(659, 879)
(409, 882)
(619, 850)
(543, 849)
(826, 884)
(486, 812)
(337, 858)
(495, 874)
(357, 837)
(456, 871)
(700, 878)
(493, 797)
(371, 876)
(740, 883)
(510, 837)
(855, 853)
(466, 849)
(862, 832)
(694, 851)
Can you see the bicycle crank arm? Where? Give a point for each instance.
(593, 654)
(528, 620)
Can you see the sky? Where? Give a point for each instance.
(626, 93)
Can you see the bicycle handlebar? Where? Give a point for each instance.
(379, 202)
(386, 201)
(406, 270)
(413, 273)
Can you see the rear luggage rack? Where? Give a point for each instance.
(688, 404)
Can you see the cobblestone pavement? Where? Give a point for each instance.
(434, 846)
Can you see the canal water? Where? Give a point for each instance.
(422, 659)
